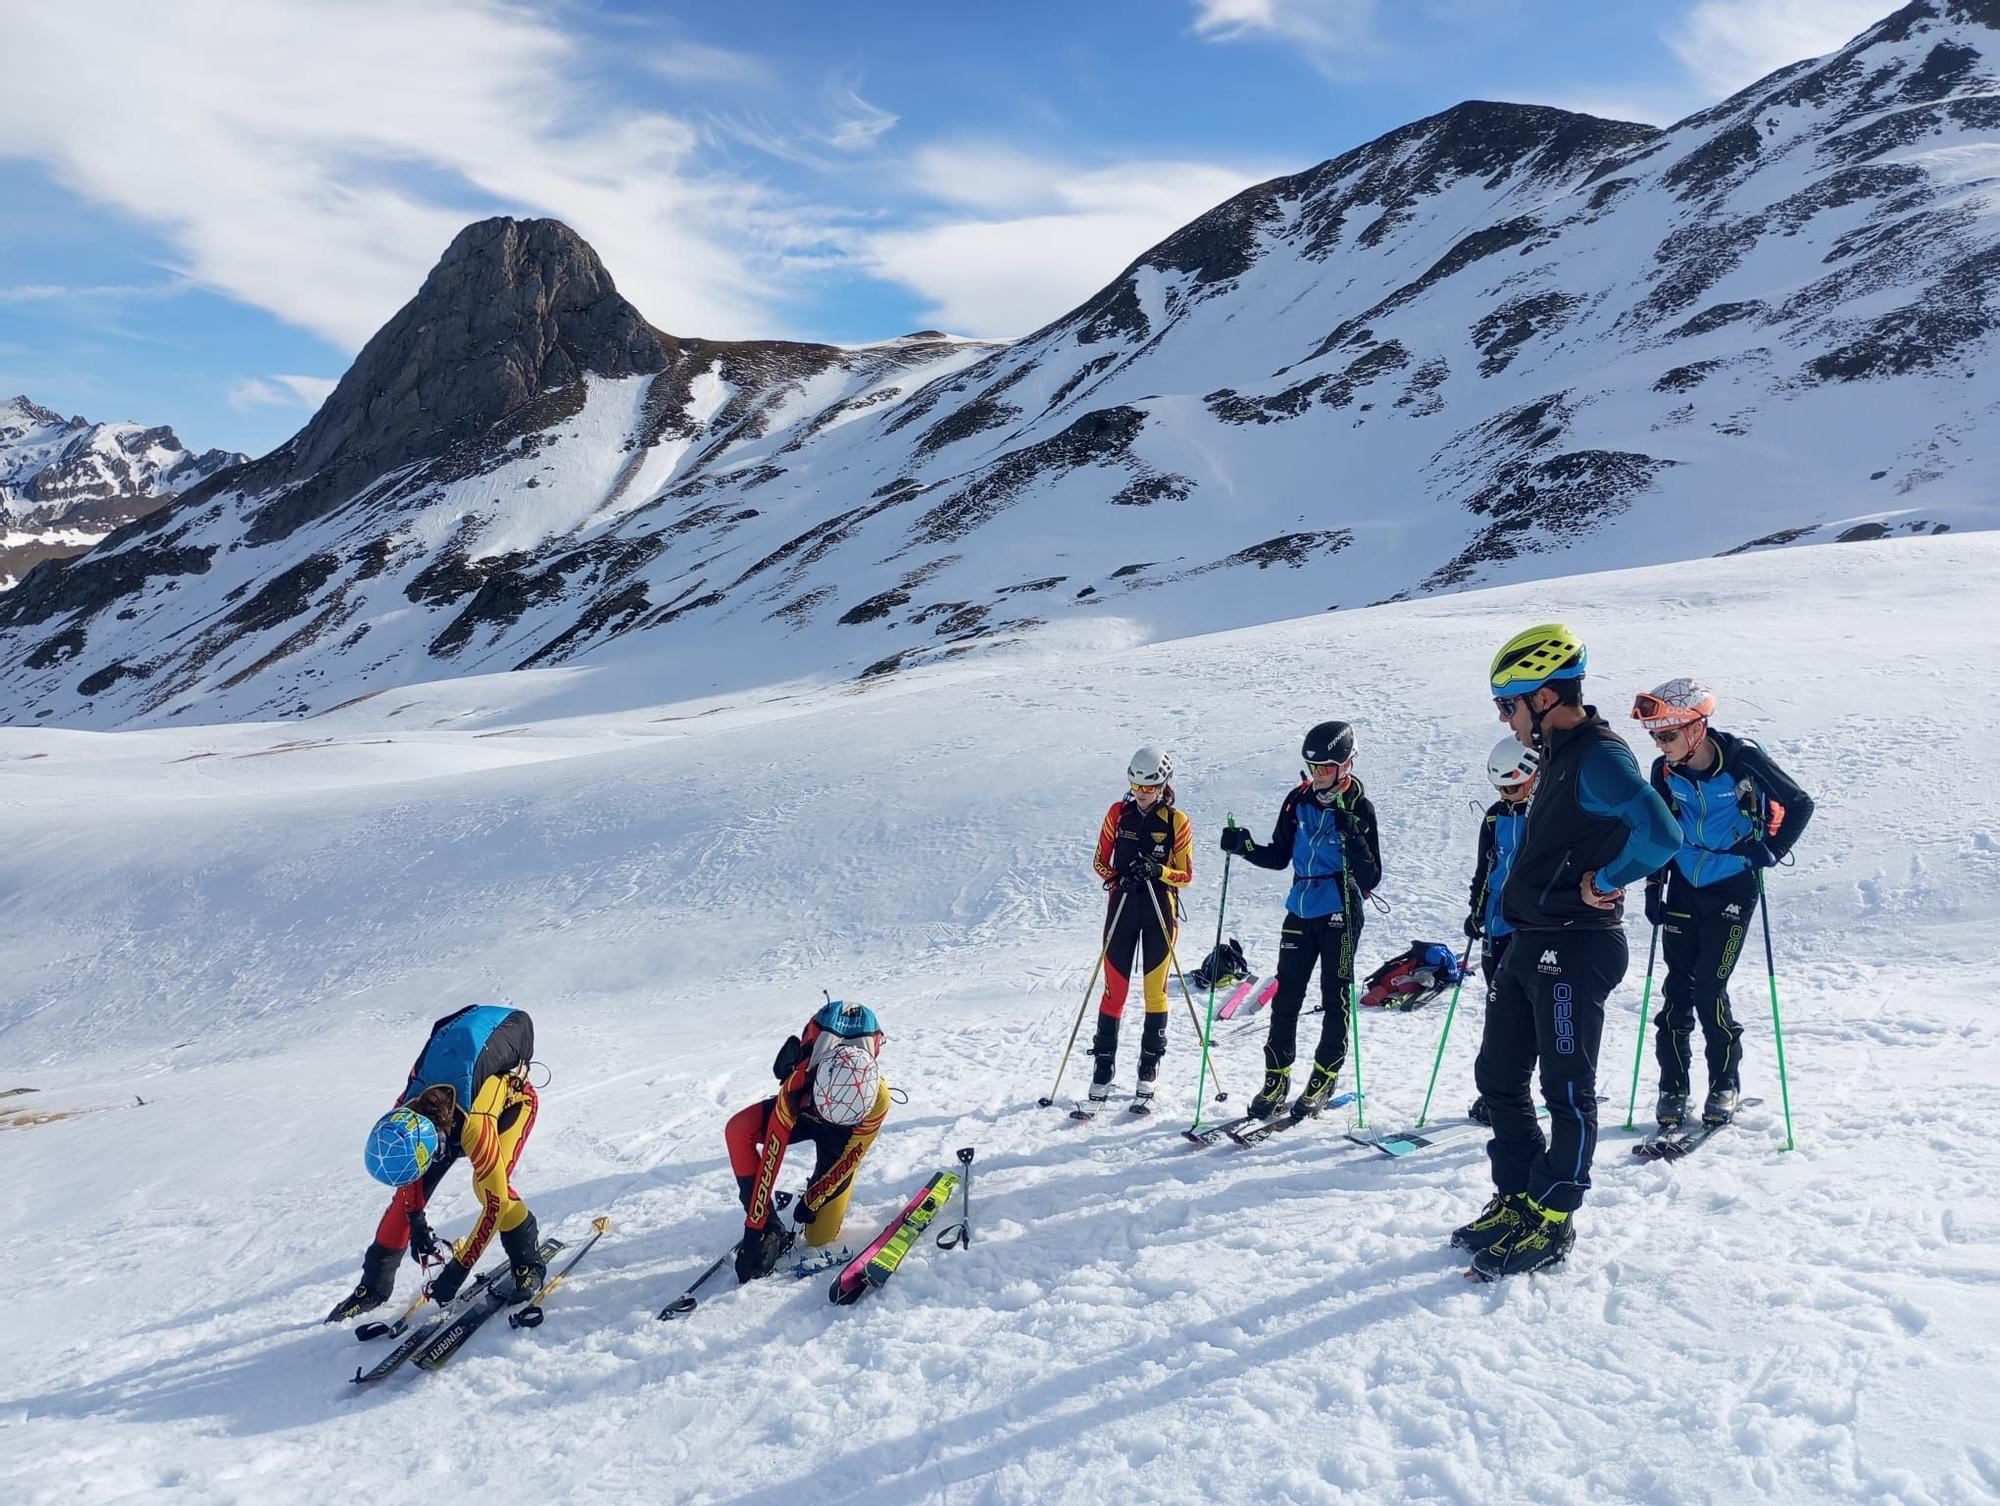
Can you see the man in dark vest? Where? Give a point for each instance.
(1594, 826)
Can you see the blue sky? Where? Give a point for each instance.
(208, 207)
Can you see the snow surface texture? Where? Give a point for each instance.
(1500, 343)
(250, 928)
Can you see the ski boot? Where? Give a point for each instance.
(1152, 1047)
(1142, 1097)
(1671, 1109)
(377, 1285)
(1721, 1105)
(1543, 1239)
(1498, 1222)
(1319, 1088)
(523, 1244)
(1271, 1097)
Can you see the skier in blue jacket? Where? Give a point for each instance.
(1739, 813)
(1511, 767)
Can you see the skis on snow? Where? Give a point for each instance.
(423, 1334)
(1671, 1145)
(883, 1255)
(493, 1301)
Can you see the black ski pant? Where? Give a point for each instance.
(1491, 950)
(1326, 942)
(1547, 1008)
(1701, 939)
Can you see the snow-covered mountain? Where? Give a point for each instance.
(249, 927)
(1501, 343)
(65, 484)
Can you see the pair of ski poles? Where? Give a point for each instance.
(1777, 1021)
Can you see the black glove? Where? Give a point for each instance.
(789, 1056)
(1754, 850)
(1473, 929)
(425, 1248)
(1236, 839)
(445, 1284)
(1141, 868)
(1656, 904)
(759, 1251)
(803, 1213)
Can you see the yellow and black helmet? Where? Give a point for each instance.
(1529, 660)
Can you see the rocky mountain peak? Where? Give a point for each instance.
(513, 311)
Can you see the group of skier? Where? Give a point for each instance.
(1574, 824)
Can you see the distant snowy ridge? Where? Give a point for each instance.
(65, 484)
(1501, 343)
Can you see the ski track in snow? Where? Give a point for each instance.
(250, 926)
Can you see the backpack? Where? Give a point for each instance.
(1413, 977)
(1223, 966)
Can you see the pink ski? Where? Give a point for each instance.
(1238, 996)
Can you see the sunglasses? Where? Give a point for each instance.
(1665, 735)
(1507, 703)
(1337, 768)
(1147, 789)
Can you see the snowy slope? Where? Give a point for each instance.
(250, 926)
(1501, 343)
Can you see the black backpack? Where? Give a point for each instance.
(1224, 964)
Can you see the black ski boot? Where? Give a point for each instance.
(1319, 1088)
(1271, 1097)
(378, 1284)
(523, 1244)
(1152, 1048)
(1671, 1109)
(1721, 1105)
(1104, 1056)
(1499, 1220)
(1544, 1238)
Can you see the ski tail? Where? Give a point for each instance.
(879, 1259)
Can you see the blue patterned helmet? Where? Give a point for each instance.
(401, 1147)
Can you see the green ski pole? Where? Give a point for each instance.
(1443, 1035)
(1639, 1051)
(1201, 1080)
(1777, 1025)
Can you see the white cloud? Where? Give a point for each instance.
(859, 124)
(306, 392)
(694, 63)
(314, 157)
(1027, 239)
(1727, 44)
(1332, 34)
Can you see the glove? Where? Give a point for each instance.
(1141, 868)
(759, 1251)
(1754, 851)
(445, 1285)
(803, 1213)
(425, 1248)
(1473, 929)
(789, 1056)
(1656, 904)
(1236, 839)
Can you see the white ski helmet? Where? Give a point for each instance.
(1510, 765)
(1150, 765)
(846, 1084)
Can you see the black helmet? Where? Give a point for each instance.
(1329, 742)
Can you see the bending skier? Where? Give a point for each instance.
(468, 1095)
(1739, 813)
(1511, 767)
(1595, 826)
(830, 1093)
(1145, 856)
(1325, 832)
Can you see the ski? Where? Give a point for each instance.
(1087, 1109)
(421, 1335)
(1255, 1134)
(884, 1254)
(686, 1302)
(1208, 1134)
(1409, 1142)
(1671, 1146)
(1237, 997)
(491, 1303)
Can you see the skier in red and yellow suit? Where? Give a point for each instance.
(1145, 856)
(831, 1094)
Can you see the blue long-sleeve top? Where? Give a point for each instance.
(1608, 783)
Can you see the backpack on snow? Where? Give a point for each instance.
(1413, 977)
(1224, 965)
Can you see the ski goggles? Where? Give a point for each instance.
(1147, 789)
(1333, 768)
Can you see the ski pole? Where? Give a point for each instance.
(959, 1235)
(1088, 989)
(1639, 1051)
(1354, 1024)
(1208, 1032)
(1193, 1014)
(1777, 1025)
(531, 1315)
(685, 1303)
(1444, 1035)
